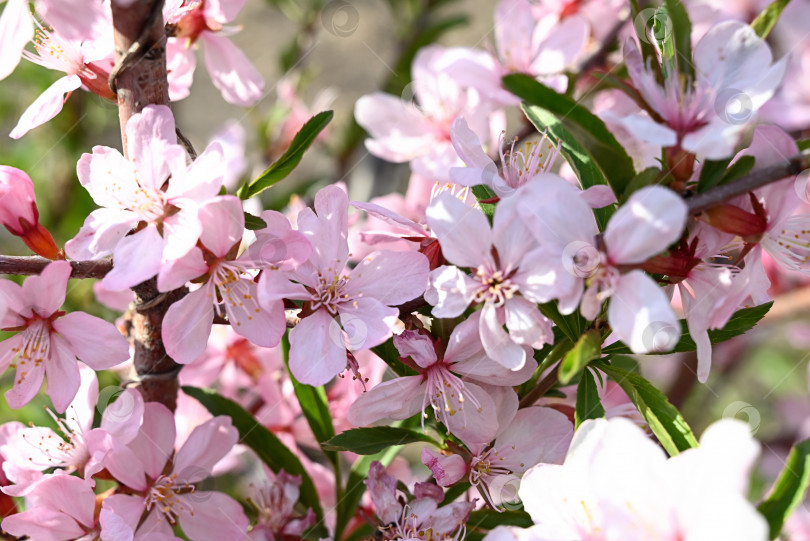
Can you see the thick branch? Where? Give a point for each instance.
(30, 265)
(757, 179)
(140, 79)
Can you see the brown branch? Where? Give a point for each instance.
(140, 79)
(30, 265)
(599, 56)
(720, 194)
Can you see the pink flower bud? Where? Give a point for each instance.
(19, 213)
(18, 206)
(447, 470)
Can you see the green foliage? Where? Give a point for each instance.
(768, 18)
(664, 419)
(264, 443)
(589, 406)
(290, 159)
(788, 491)
(741, 322)
(372, 440)
(587, 348)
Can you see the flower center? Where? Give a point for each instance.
(164, 495)
(496, 287)
(519, 166)
(330, 293)
(446, 393)
(232, 285)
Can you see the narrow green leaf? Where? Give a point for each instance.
(291, 158)
(788, 491)
(741, 167)
(803, 144)
(489, 519)
(711, 173)
(254, 223)
(587, 348)
(768, 18)
(648, 177)
(664, 419)
(681, 27)
(483, 193)
(589, 129)
(741, 322)
(371, 440)
(589, 405)
(264, 443)
(572, 325)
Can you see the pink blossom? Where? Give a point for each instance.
(462, 405)
(169, 495)
(503, 277)
(228, 280)
(48, 341)
(78, 446)
(541, 47)
(274, 502)
(519, 166)
(403, 132)
(734, 77)
(16, 30)
(86, 64)
(342, 309)
(60, 507)
(231, 72)
(20, 215)
(617, 484)
(419, 519)
(131, 194)
(571, 258)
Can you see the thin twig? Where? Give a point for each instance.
(30, 265)
(757, 179)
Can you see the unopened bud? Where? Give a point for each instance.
(732, 219)
(19, 213)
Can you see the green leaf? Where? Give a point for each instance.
(768, 18)
(254, 222)
(741, 322)
(711, 173)
(682, 30)
(483, 193)
(291, 158)
(264, 443)
(587, 348)
(572, 325)
(803, 144)
(371, 440)
(739, 168)
(664, 419)
(589, 129)
(489, 519)
(788, 491)
(589, 405)
(648, 177)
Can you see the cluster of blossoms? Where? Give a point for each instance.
(457, 311)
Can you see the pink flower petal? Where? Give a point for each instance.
(42, 524)
(317, 349)
(497, 343)
(222, 11)
(396, 399)
(390, 277)
(206, 446)
(417, 346)
(100, 234)
(16, 30)
(262, 327)
(46, 293)
(447, 470)
(653, 218)
(155, 443)
(96, 342)
(231, 71)
(150, 136)
(216, 516)
(224, 222)
(468, 147)
(180, 64)
(46, 106)
(63, 374)
(176, 273)
(366, 323)
(137, 258)
(463, 231)
(450, 291)
(188, 323)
